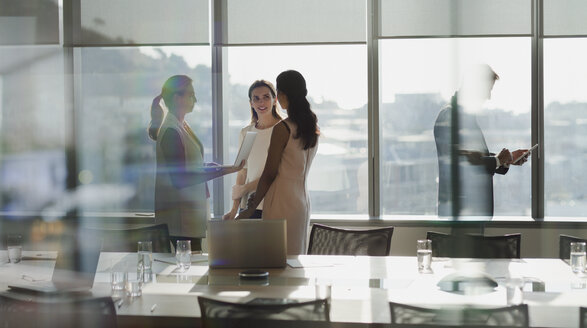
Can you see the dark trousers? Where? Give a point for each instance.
(256, 215)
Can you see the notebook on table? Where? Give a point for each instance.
(243, 152)
(250, 243)
(75, 268)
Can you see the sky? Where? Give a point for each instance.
(411, 66)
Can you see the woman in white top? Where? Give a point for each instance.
(293, 145)
(181, 192)
(264, 115)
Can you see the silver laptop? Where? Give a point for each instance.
(75, 267)
(249, 243)
(243, 152)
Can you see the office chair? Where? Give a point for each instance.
(403, 315)
(325, 240)
(216, 313)
(57, 312)
(564, 245)
(475, 246)
(583, 317)
(125, 239)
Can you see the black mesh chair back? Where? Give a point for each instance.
(216, 313)
(125, 240)
(325, 240)
(403, 315)
(474, 246)
(564, 245)
(57, 312)
(583, 317)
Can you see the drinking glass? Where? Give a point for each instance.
(424, 252)
(118, 276)
(514, 293)
(578, 257)
(145, 261)
(183, 254)
(134, 287)
(14, 245)
(323, 289)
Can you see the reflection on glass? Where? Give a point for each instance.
(32, 129)
(116, 158)
(418, 78)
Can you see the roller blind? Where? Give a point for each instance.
(565, 17)
(29, 22)
(116, 22)
(299, 21)
(406, 18)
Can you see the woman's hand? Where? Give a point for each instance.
(238, 191)
(245, 214)
(230, 215)
(240, 167)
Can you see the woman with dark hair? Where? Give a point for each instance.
(292, 148)
(264, 115)
(181, 192)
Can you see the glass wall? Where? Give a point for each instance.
(77, 78)
(337, 93)
(116, 158)
(565, 127)
(418, 78)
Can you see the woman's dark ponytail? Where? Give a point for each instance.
(156, 118)
(293, 85)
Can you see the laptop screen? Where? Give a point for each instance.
(247, 243)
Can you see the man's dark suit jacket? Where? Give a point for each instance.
(474, 174)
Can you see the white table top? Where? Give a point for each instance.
(361, 286)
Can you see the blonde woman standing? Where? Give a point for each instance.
(181, 192)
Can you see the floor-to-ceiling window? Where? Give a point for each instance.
(325, 41)
(565, 108)
(77, 78)
(425, 48)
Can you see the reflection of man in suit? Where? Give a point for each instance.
(465, 165)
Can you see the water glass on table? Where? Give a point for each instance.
(118, 276)
(323, 289)
(424, 253)
(183, 255)
(514, 293)
(14, 245)
(578, 257)
(145, 261)
(134, 287)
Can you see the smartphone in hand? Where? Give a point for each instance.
(526, 153)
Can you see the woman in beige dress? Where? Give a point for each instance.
(292, 148)
(181, 192)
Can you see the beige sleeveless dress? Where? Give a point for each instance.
(288, 197)
(185, 210)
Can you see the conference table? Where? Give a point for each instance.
(361, 286)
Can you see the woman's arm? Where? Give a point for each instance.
(279, 138)
(174, 155)
(240, 180)
(239, 190)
